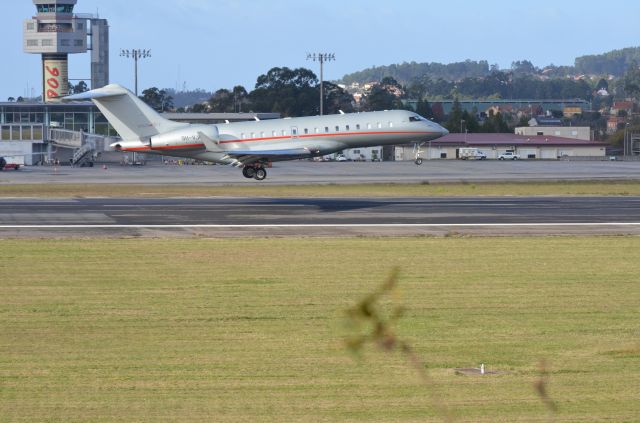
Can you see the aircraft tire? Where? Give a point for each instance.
(418, 162)
(248, 172)
(261, 174)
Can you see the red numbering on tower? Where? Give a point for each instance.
(54, 79)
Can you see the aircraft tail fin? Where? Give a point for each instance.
(131, 117)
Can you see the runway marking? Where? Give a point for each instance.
(320, 226)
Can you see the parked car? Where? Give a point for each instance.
(481, 155)
(509, 155)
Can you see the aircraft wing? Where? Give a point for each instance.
(283, 152)
(270, 153)
(251, 156)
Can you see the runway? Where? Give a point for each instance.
(312, 173)
(227, 217)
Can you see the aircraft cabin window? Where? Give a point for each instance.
(326, 129)
(306, 130)
(261, 134)
(379, 125)
(347, 128)
(316, 130)
(357, 127)
(294, 131)
(253, 135)
(368, 126)
(414, 119)
(273, 133)
(337, 129)
(242, 135)
(390, 124)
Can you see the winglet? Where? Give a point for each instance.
(209, 143)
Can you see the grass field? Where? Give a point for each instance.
(252, 330)
(371, 190)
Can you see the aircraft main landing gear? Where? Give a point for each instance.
(257, 172)
(418, 161)
(249, 172)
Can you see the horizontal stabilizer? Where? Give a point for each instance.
(90, 95)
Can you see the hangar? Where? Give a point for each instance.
(528, 147)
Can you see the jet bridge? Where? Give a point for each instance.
(86, 148)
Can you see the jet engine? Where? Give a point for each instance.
(193, 136)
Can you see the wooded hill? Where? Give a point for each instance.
(614, 63)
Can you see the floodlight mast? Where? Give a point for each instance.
(135, 54)
(321, 57)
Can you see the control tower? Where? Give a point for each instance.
(55, 32)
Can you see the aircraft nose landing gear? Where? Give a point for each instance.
(257, 172)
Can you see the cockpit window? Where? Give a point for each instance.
(414, 119)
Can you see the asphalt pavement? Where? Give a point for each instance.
(308, 173)
(318, 216)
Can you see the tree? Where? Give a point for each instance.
(290, 92)
(495, 123)
(631, 81)
(11, 99)
(158, 99)
(471, 124)
(79, 88)
(240, 98)
(381, 99)
(199, 108)
(602, 85)
(423, 108)
(337, 99)
(222, 101)
(454, 122)
(523, 67)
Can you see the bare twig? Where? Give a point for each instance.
(381, 334)
(540, 386)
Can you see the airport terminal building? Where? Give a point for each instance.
(29, 131)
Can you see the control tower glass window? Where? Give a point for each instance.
(55, 8)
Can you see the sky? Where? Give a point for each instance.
(212, 44)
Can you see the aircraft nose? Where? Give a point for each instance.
(443, 131)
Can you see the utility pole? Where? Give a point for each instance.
(321, 57)
(135, 54)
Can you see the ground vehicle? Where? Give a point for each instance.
(8, 166)
(341, 158)
(471, 154)
(509, 155)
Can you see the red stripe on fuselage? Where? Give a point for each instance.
(288, 137)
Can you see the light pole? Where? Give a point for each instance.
(135, 54)
(321, 57)
(624, 143)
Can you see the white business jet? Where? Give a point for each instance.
(252, 146)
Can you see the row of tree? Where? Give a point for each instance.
(290, 92)
(614, 63)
